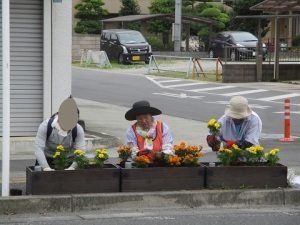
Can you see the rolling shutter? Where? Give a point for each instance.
(26, 49)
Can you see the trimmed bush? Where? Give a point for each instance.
(156, 43)
(296, 41)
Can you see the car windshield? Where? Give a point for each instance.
(244, 37)
(132, 37)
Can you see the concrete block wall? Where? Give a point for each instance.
(84, 41)
(233, 73)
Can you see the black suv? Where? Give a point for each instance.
(241, 45)
(126, 46)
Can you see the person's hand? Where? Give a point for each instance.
(143, 152)
(229, 143)
(213, 142)
(48, 169)
(70, 168)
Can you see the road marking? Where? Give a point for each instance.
(167, 81)
(212, 88)
(181, 95)
(291, 112)
(184, 85)
(253, 106)
(279, 97)
(244, 92)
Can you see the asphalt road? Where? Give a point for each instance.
(188, 99)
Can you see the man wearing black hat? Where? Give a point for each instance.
(148, 136)
(58, 130)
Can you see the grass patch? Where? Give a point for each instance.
(114, 65)
(140, 65)
(182, 75)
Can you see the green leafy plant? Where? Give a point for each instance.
(81, 159)
(230, 156)
(60, 158)
(272, 157)
(254, 154)
(100, 157)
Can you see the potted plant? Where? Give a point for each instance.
(124, 152)
(181, 171)
(247, 168)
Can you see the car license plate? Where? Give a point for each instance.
(254, 53)
(136, 57)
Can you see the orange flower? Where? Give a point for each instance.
(142, 161)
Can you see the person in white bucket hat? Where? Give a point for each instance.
(239, 125)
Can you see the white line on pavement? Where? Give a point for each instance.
(184, 85)
(212, 88)
(167, 81)
(244, 92)
(279, 97)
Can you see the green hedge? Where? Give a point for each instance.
(156, 43)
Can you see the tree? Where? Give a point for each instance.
(210, 11)
(90, 12)
(241, 7)
(130, 7)
(159, 26)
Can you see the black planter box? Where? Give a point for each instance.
(261, 176)
(162, 179)
(91, 180)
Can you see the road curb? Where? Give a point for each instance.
(178, 199)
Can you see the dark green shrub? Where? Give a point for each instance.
(296, 41)
(156, 43)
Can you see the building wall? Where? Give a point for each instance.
(61, 52)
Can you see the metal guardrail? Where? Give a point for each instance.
(285, 54)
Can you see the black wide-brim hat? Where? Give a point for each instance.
(139, 108)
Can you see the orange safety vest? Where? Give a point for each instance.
(157, 141)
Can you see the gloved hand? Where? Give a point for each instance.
(143, 152)
(48, 169)
(211, 140)
(229, 143)
(70, 168)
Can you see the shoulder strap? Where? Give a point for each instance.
(74, 133)
(50, 128)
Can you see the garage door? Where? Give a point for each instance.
(26, 27)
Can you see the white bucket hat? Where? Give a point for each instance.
(238, 108)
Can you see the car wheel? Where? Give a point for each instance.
(121, 59)
(233, 56)
(211, 54)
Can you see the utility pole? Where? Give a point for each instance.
(177, 26)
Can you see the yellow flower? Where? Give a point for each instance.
(217, 125)
(212, 121)
(79, 152)
(60, 147)
(235, 147)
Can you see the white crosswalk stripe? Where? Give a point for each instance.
(167, 81)
(279, 97)
(212, 88)
(244, 92)
(184, 85)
